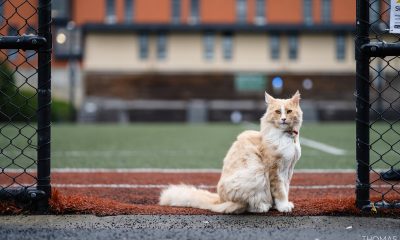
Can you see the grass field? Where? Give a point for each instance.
(168, 145)
(173, 145)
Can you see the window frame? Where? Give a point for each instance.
(194, 11)
(227, 46)
(260, 12)
(308, 12)
(241, 11)
(326, 11)
(129, 10)
(176, 14)
(209, 45)
(340, 43)
(162, 43)
(143, 40)
(293, 47)
(275, 46)
(111, 11)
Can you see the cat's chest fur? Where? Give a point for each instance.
(285, 145)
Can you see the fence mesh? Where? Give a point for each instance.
(384, 111)
(18, 100)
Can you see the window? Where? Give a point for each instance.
(326, 11)
(176, 11)
(260, 12)
(209, 40)
(194, 12)
(143, 45)
(227, 46)
(128, 10)
(340, 47)
(307, 11)
(12, 53)
(161, 46)
(275, 45)
(241, 11)
(60, 9)
(293, 47)
(110, 11)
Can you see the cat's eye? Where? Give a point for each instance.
(289, 111)
(278, 111)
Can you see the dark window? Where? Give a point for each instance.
(12, 53)
(227, 46)
(128, 10)
(326, 11)
(161, 46)
(110, 11)
(307, 12)
(209, 41)
(293, 46)
(260, 12)
(176, 11)
(59, 9)
(340, 47)
(241, 11)
(194, 11)
(275, 45)
(143, 45)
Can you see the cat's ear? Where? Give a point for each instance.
(296, 97)
(268, 98)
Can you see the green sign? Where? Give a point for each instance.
(250, 82)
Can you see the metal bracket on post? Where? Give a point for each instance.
(25, 42)
(380, 49)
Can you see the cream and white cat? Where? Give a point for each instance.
(257, 168)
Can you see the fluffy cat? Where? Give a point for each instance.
(257, 168)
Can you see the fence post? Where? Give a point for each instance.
(362, 105)
(44, 103)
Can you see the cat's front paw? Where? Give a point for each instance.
(284, 206)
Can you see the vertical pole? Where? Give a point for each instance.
(44, 103)
(362, 105)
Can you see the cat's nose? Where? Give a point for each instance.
(283, 119)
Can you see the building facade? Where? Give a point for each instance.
(180, 50)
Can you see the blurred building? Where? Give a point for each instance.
(170, 59)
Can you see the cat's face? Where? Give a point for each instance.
(284, 114)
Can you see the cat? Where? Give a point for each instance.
(257, 169)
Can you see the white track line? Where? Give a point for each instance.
(165, 170)
(307, 142)
(161, 186)
(322, 147)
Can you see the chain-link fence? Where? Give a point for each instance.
(25, 56)
(378, 106)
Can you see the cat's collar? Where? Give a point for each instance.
(292, 132)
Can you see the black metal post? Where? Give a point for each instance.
(362, 105)
(44, 103)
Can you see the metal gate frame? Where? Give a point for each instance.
(40, 194)
(364, 50)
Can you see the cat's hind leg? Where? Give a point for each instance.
(261, 201)
(259, 207)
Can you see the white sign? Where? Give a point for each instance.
(395, 16)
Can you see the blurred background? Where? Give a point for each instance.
(122, 69)
(202, 60)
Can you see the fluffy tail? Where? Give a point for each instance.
(189, 196)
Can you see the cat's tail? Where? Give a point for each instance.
(190, 196)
